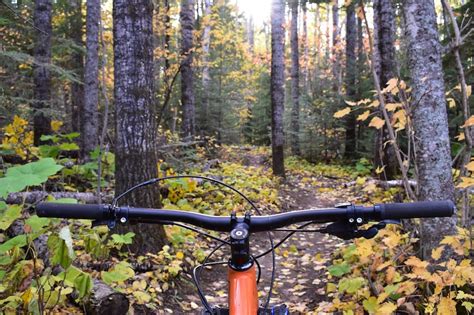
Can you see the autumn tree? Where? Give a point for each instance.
(42, 74)
(433, 154)
(187, 81)
(89, 113)
(277, 85)
(136, 128)
(295, 80)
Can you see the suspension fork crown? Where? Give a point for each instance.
(239, 243)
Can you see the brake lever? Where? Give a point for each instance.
(346, 230)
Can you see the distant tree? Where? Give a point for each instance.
(350, 80)
(277, 84)
(89, 113)
(295, 80)
(206, 77)
(76, 25)
(385, 65)
(336, 71)
(136, 128)
(42, 74)
(187, 86)
(430, 121)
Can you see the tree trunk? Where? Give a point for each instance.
(206, 77)
(335, 48)
(76, 26)
(136, 128)
(433, 154)
(384, 49)
(41, 73)
(89, 114)
(304, 44)
(277, 88)
(350, 81)
(295, 80)
(187, 87)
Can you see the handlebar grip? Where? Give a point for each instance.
(421, 209)
(72, 211)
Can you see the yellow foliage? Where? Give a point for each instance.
(446, 306)
(377, 123)
(18, 138)
(364, 116)
(343, 112)
(469, 122)
(56, 125)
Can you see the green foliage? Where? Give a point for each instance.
(18, 178)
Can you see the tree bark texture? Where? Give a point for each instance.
(89, 114)
(206, 77)
(41, 73)
(295, 80)
(278, 85)
(350, 81)
(136, 128)
(77, 88)
(187, 87)
(384, 49)
(335, 48)
(305, 46)
(433, 154)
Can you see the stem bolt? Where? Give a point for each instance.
(359, 220)
(351, 220)
(123, 220)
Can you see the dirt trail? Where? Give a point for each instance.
(301, 261)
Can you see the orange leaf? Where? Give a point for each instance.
(343, 112)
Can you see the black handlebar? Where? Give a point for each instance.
(257, 223)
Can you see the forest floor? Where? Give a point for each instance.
(301, 262)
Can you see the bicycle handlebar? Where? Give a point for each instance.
(378, 212)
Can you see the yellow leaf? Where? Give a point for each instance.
(451, 102)
(466, 182)
(180, 255)
(461, 136)
(386, 308)
(468, 90)
(446, 306)
(350, 103)
(436, 253)
(375, 103)
(470, 166)
(377, 123)
(342, 112)
(391, 85)
(468, 122)
(392, 106)
(416, 262)
(379, 169)
(363, 116)
(56, 124)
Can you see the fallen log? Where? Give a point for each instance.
(32, 197)
(385, 183)
(105, 300)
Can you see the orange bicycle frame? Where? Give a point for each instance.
(243, 298)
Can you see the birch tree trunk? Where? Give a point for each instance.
(136, 128)
(90, 118)
(41, 73)
(335, 48)
(350, 81)
(206, 77)
(277, 83)
(429, 117)
(295, 80)
(187, 87)
(384, 38)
